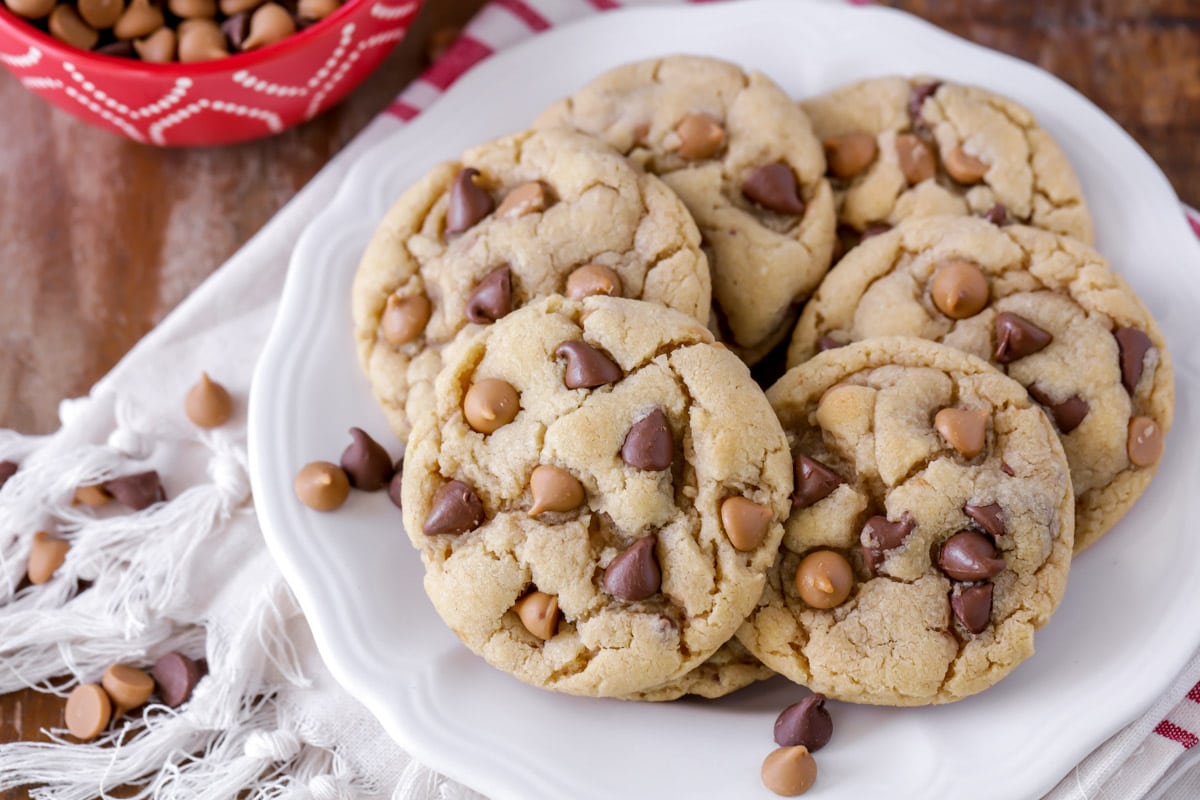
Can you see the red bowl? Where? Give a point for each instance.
(245, 96)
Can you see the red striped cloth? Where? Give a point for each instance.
(1128, 765)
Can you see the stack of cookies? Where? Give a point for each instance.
(562, 324)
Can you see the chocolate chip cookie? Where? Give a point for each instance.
(516, 219)
(931, 526)
(907, 147)
(1045, 309)
(726, 671)
(745, 161)
(597, 490)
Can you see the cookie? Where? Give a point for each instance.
(745, 161)
(516, 219)
(1045, 309)
(726, 671)
(931, 529)
(916, 147)
(596, 490)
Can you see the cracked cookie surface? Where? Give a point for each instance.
(706, 127)
(726, 671)
(937, 147)
(631, 552)
(1099, 365)
(952, 529)
(542, 205)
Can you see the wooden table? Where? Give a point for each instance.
(100, 238)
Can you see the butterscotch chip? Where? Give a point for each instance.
(1145, 442)
(746, 522)
(959, 289)
(404, 318)
(139, 19)
(100, 13)
(700, 136)
(202, 40)
(824, 579)
(93, 496)
(31, 9)
(964, 167)
(490, 404)
(208, 403)
(916, 159)
(850, 154)
(789, 771)
(128, 687)
(269, 23)
(157, 48)
(66, 25)
(87, 712)
(322, 486)
(963, 429)
(189, 9)
(593, 279)
(554, 489)
(46, 555)
(528, 198)
(539, 614)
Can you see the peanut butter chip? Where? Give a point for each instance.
(140, 19)
(67, 26)
(789, 771)
(157, 48)
(490, 404)
(915, 157)
(745, 522)
(232, 7)
(963, 429)
(208, 404)
(127, 686)
(193, 9)
(202, 40)
(824, 579)
(93, 496)
(31, 9)
(959, 289)
(322, 486)
(964, 167)
(554, 489)
(317, 9)
(88, 711)
(528, 198)
(593, 279)
(46, 555)
(1145, 443)
(850, 154)
(100, 13)
(539, 614)
(405, 318)
(270, 23)
(700, 136)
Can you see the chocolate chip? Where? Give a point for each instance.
(972, 605)
(824, 579)
(885, 535)
(1017, 337)
(468, 202)
(492, 297)
(394, 491)
(814, 481)
(916, 159)
(827, 342)
(970, 556)
(963, 429)
(774, 187)
(1133, 345)
(138, 491)
(634, 574)
(649, 444)
(7, 470)
(1068, 414)
(997, 215)
(987, 517)
(1007, 470)
(87, 712)
(176, 676)
(700, 136)
(236, 28)
(120, 48)
(322, 486)
(959, 288)
(917, 97)
(1144, 442)
(850, 154)
(455, 509)
(367, 465)
(805, 723)
(789, 771)
(586, 367)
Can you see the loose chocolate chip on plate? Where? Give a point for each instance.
(634, 574)
(404, 318)
(469, 203)
(128, 687)
(997, 215)
(176, 676)
(916, 159)
(1133, 345)
(491, 298)
(972, 605)
(959, 289)
(970, 556)
(46, 555)
(208, 403)
(789, 771)
(528, 198)
(7, 470)
(963, 429)
(593, 279)
(490, 404)
(1068, 414)
(586, 366)
(367, 465)
(850, 154)
(321, 486)
(538, 612)
(87, 712)
(554, 489)
(745, 521)
(964, 167)
(814, 481)
(456, 509)
(917, 97)
(1145, 441)
(700, 136)
(394, 485)
(824, 579)
(774, 187)
(1017, 337)
(138, 491)
(649, 444)
(987, 517)
(805, 723)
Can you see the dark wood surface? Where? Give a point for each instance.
(100, 238)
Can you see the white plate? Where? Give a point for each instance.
(1127, 624)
